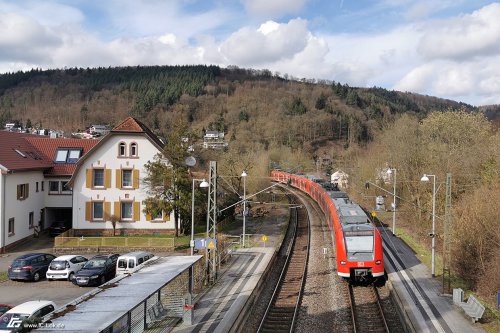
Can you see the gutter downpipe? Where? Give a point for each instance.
(3, 172)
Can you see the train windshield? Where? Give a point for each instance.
(359, 241)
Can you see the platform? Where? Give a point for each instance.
(220, 308)
(426, 309)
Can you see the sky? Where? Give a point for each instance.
(445, 48)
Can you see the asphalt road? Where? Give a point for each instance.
(17, 292)
(60, 292)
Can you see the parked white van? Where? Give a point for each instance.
(127, 263)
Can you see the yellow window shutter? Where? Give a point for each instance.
(88, 180)
(136, 178)
(107, 178)
(107, 210)
(88, 211)
(117, 210)
(118, 178)
(166, 216)
(137, 211)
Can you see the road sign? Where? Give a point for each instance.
(211, 243)
(264, 238)
(200, 243)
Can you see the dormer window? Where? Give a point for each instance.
(133, 149)
(68, 155)
(121, 149)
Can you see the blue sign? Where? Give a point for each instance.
(498, 300)
(200, 243)
(203, 243)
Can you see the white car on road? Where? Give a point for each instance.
(65, 267)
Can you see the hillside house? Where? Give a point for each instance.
(214, 140)
(34, 172)
(108, 184)
(341, 179)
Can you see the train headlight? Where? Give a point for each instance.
(378, 262)
(343, 262)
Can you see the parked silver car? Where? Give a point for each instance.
(65, 267)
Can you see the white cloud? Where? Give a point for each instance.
(24, 39)
(463, 37)
(268, 43)
(273, 8)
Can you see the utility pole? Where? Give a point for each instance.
(446, 237)
(211, 259)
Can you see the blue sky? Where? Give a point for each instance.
(445, 48)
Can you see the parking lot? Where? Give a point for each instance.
(17, 292)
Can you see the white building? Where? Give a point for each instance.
(31, 167)
(341, 179)
(108, 184)
(214, 140)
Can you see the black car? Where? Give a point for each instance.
(31, 266)
(58, 227)
(97, 270)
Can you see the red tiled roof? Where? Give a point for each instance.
(48, 147)
(12, 160)
(130, 124)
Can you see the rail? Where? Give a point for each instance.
(371, 318)
(282, 310)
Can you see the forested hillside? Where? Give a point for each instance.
(208, 97)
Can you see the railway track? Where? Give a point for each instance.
(366, 309)
(281, 313)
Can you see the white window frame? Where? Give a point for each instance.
(131, 180)
(94, 178)
(94, 218)
(122, 203)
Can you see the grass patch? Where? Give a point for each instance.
(3, 276)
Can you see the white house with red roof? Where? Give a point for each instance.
(108, 184)
(34, 172)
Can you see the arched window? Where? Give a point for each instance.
(121, 149)
(133, 149)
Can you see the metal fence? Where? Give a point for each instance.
(128, 242)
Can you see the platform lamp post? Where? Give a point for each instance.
(425, 178)
(389, 172)
(203, 184)
(244, 175)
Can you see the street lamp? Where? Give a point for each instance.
(202, 185)
(389, 172)
(425, 178)
(244, 175)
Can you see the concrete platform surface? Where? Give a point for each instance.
(220, 306)
(419, 294)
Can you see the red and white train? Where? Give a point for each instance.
(358, 243)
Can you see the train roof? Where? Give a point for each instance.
(338, 195)
(352, 214)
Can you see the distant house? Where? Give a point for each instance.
(101, 129)
(9, 126)
(341, 179)
(108, 187)
(34, 172)
(214, 140)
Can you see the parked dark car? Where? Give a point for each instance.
(4, 308)
(97, 270)
(58, 227)
(31, 266)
